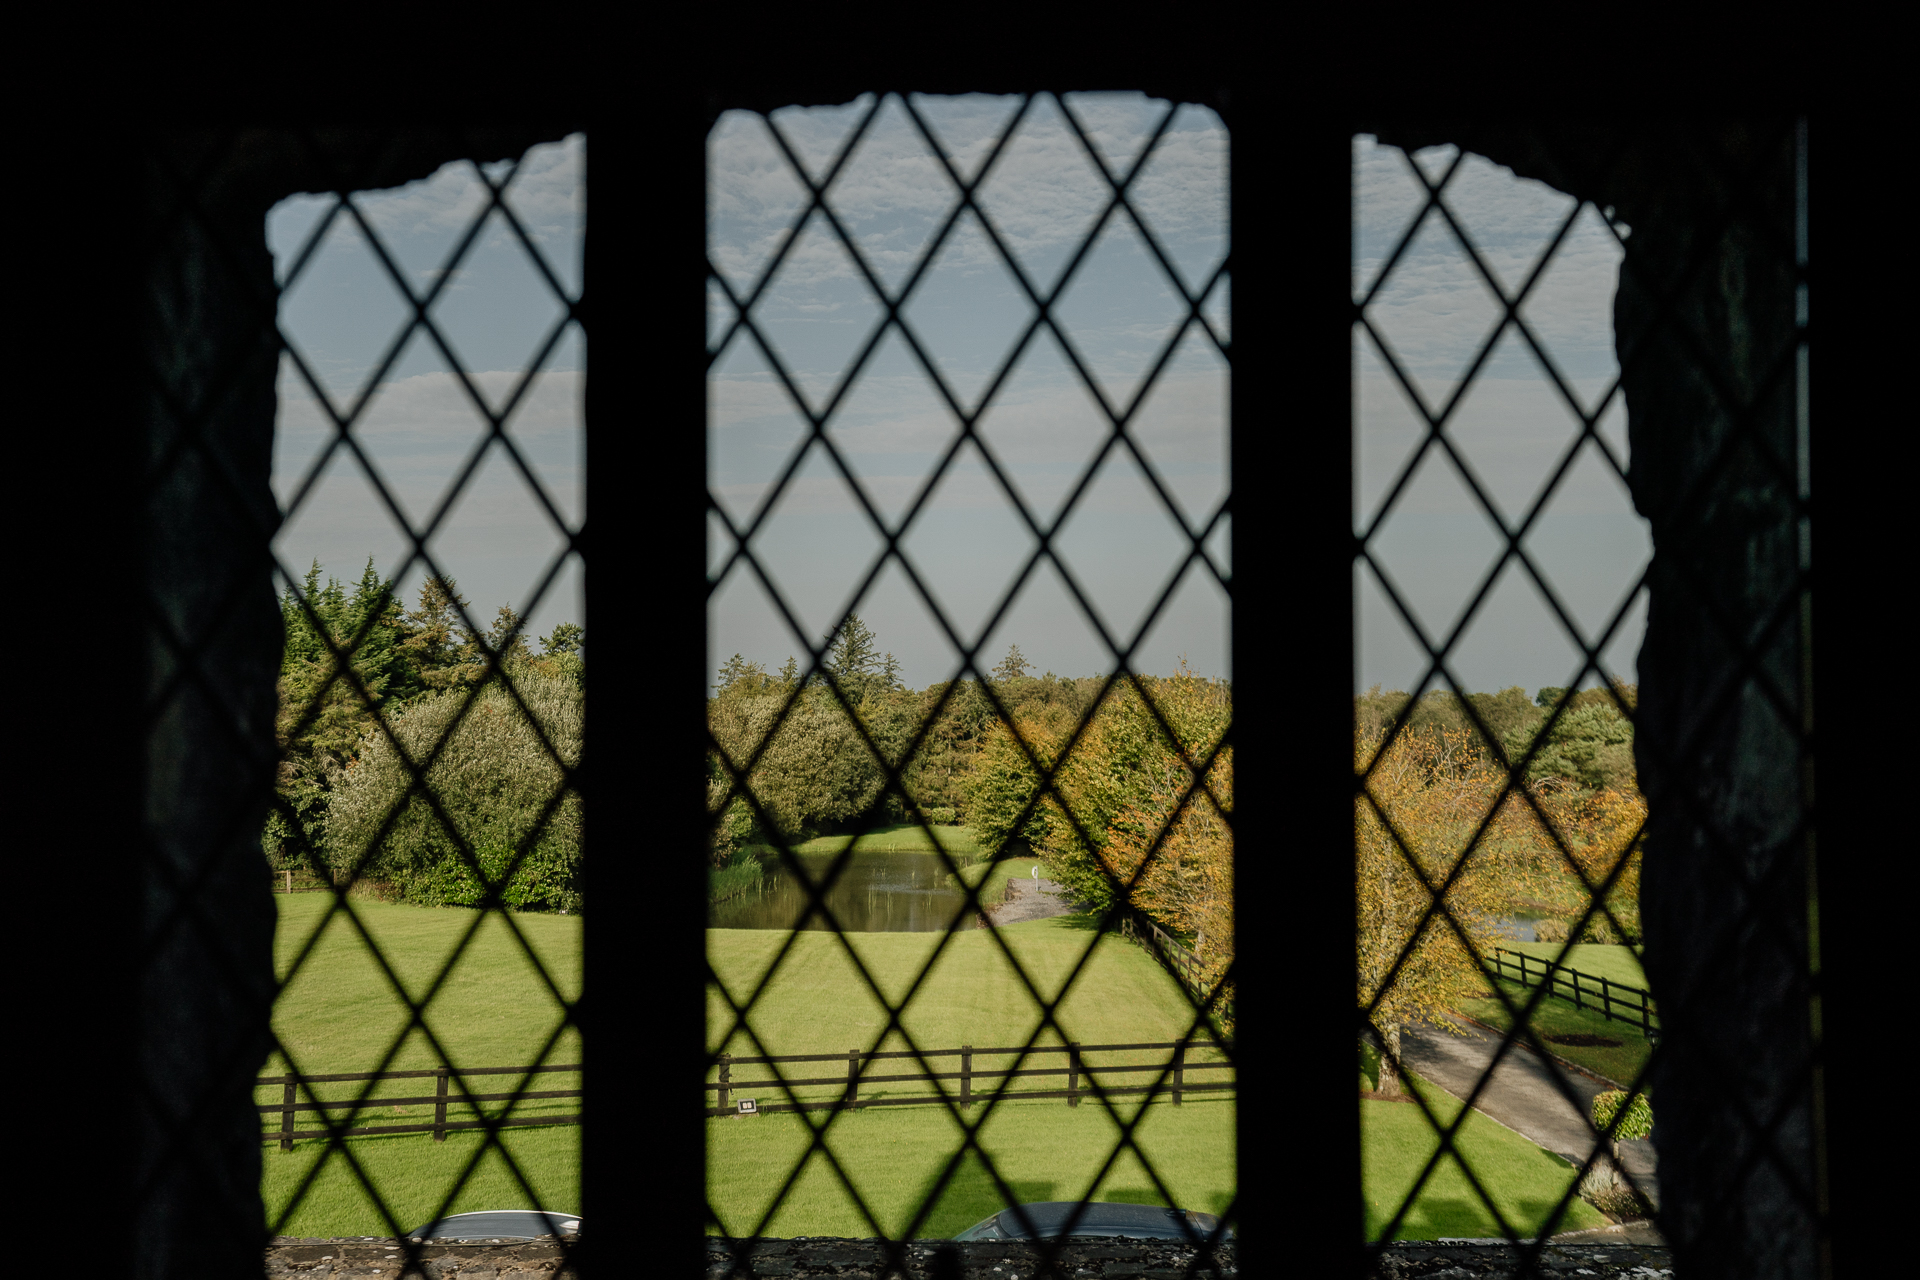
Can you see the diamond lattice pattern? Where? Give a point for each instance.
(1490, 408)
(938, 321)
(429, 381)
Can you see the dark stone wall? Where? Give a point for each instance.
(205, 917)
(377, 1258)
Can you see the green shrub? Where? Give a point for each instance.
(1549, 930)
(544, 880)
(1637, 1123)
(493, 777)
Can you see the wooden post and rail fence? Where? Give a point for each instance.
(1081, 1076)
(289, 1107)
(1585, 990)
(282, 1117)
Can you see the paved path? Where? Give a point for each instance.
(1522, 1095)
(1030, 899)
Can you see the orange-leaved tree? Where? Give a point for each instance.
(1435, 817)
(1437, 808)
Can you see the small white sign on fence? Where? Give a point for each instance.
(749, 1106)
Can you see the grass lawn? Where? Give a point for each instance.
(340, 1014)
(902, 838)
(1044, 1150)
(818, 1003)
(1614, 963)
(1523, 1180)
(413, 1173)
(1556, 1017)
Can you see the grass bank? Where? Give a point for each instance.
(1524, 1181)
(1612, 962)
(902, 838)
(972, 995)
(1556, 1021)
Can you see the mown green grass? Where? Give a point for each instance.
(414, 1174)
(819, 1002)
(902, 838)
(893, 1157)
(1612, 962)
(1045, 1149)
(340, 1013)
(1555, 1017)
(1524, 1181)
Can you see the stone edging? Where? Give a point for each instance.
(381, 1258)
(820, 1257)
(1458, 1260)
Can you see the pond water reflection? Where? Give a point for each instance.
(876, 893)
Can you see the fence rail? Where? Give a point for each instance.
(1180, 962)
(442, 1097)
(1081, 1076)
(1585, 990)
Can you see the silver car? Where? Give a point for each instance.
(499, 1226)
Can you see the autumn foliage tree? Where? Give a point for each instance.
(1124, 815)
(1438, 823)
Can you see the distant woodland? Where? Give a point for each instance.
(1139, 803)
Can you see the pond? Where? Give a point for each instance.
(878, 892)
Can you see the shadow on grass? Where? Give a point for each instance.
(1466, 1218)
(971, 1197)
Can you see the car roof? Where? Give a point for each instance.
(499, 1224)
(1049, 1217)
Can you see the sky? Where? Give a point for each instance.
(1122, 543)
(1043, 424)
(1512, 428)
(421, 428)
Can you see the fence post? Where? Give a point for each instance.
(1073, 1073)
(1575, 975)
(286, 1114)
(966, 1076)
(440, 1104)
(726, 1082)
(853, 1078)
(1606, 998)
(1179, 1070)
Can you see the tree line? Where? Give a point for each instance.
(341, 779)
(1141, 798)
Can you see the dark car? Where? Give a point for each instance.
(1135, 1221)
(500, 1226)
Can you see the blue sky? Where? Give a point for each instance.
(1042, 423)
(421, 426)
(1512, 428)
